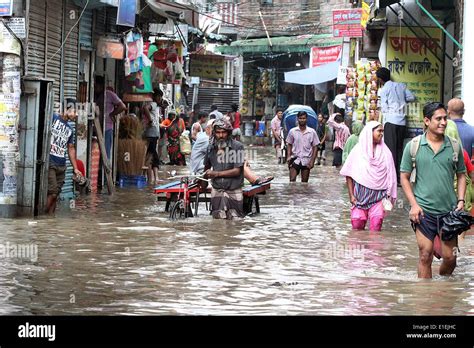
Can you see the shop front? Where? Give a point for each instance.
(263, 86)
(420, 46)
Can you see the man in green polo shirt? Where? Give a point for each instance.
(433, 196)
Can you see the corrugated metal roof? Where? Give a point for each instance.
(281, 44)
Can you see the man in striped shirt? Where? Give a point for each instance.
(336, 121)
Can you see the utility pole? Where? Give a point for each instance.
(265, 27)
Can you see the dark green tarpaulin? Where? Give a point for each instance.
(280, 44)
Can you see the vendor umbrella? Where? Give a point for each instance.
(290, 119)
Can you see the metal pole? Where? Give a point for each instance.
(265, 27)
(438, 24)
(276, 85)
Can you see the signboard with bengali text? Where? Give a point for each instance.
(324, 55)
(207, 66)
(410, 60)
(347, 23)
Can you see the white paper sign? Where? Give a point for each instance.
(17, 25)
(341, 75)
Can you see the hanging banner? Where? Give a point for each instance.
(324, 55)
(410, 60)
(207, 66)
(167, 62)
(365, 14)
(110, 48)
(347, 23)
(126, 13)
(6, 8)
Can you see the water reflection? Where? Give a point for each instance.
(121, 255)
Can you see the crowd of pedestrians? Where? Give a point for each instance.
(434, 169)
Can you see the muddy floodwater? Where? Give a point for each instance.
(121, 255)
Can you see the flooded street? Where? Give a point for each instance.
(121, 255)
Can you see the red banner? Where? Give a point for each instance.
(347, 23)
(324, 55)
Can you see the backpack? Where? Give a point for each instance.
(415, 145)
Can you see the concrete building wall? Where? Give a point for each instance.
(282, 17)
(458, 34)
(467, 59)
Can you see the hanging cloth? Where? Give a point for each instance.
(150, 50)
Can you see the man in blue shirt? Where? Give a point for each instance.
(393, 100)
(466, 131)
(62, 140)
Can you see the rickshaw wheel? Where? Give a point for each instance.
(177, 211)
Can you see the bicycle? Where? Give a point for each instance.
(181, 208)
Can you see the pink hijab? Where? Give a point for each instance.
(372, 169)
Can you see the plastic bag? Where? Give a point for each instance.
(387, 204)
(185, 143)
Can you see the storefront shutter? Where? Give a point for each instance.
(71, 51)
(44, 41)
(36, 38)
(100, 21)
(85, 35)
(221, 97)
(54, 20)
(111, 19)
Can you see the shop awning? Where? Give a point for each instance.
(176, 11)
(281, 44)
(313, 76)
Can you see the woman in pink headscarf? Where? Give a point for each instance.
(371, 177)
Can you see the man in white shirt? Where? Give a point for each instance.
(393, 100)
(198, 127)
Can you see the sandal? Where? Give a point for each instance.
(263, 180)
